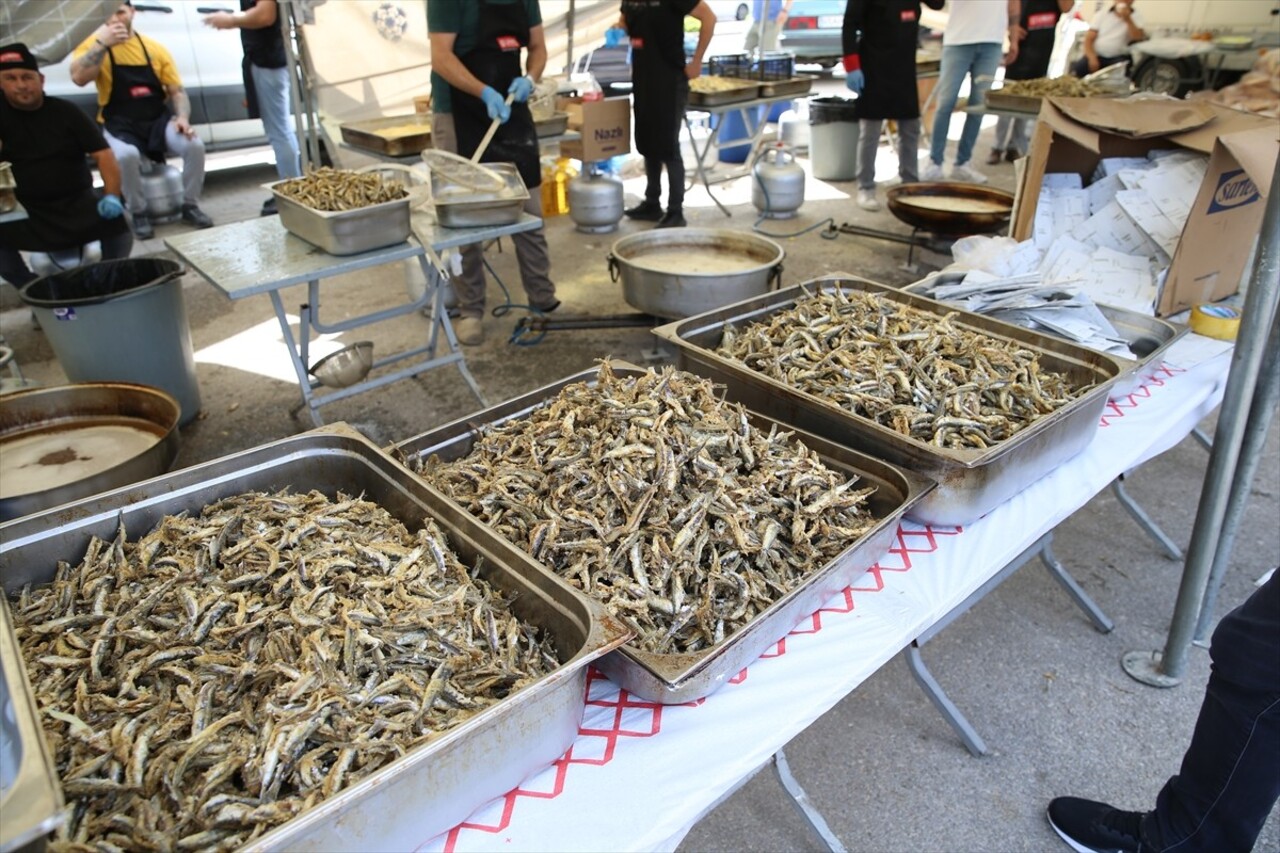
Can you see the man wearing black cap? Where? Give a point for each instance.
(46, 140)
(144, 111)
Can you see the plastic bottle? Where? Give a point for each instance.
(548, 187)
(564, 172)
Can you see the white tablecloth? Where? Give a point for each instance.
(675, 762)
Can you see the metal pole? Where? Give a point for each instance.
(1260, 414)
(1165, 669)
(569, 20)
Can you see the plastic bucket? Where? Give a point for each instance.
(833, 139)
(120, 321)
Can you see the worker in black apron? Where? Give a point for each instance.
(660, 86)
(46, 140)
(1039, 26)
(475, 51)
(879, 40)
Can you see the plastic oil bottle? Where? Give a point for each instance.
(548, 187)
(563, 173)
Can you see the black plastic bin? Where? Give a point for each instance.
(833, 139)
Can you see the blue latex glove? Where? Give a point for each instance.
(495, 104)
(855, 80)
(614, 36)
(522, 88)
(110, 207)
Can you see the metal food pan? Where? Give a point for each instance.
(346, 232)
(364, 134)
(555, 125)
(480, 209)
(675, 678)
(728, 96)
(971, 482)
(793, 86)
(1028, 104)
(1148, 337)
(435, 786)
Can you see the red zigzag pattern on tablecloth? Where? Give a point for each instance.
(632, 718)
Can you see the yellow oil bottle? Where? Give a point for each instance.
(564, 172)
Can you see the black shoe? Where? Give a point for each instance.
(994, 158)
(547, 309)
(672, 219)
(1011, 155)
(142, 227)
(269, 207)
(645, 211)
(195, 216)
(1091, 827)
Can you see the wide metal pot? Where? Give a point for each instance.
(950, 208)
(114, 432)
(679, 272)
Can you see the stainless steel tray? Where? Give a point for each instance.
(553, 126)
(674, 678)
(1148, 337)
(970, 482)
(30, 794)
(794, 86)
(441, 782)
(480, 209)
(347, 232)
(728, 96)
(364, 134)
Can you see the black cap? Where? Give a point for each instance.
(16, 55)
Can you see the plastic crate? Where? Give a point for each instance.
(736, 65)
(775, 65)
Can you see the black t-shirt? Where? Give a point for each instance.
(47, 148)
(1040, 20)
(264, 47)
(657, 27)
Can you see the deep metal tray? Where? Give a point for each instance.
(347, 232)
(479, 210)
(557, 124)
(971, 482)
(746, 92)
(1028, 104)
(674, 678)
(794, 86)
(364, 134)
(1148, 337)
(443, 781)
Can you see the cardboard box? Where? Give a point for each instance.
(1073, 134)
(605, 127)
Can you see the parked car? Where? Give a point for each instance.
(730, 10)
(812, 32)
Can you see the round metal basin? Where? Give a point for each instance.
(951, 209)
(680, 272)
(71, 441)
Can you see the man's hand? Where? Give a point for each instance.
(692, 70)
(520, 89)
(495, 104)
(1094, 63)
(220, 21)
(110, 207)
(112, 33)
(854, 81)
(184, 127)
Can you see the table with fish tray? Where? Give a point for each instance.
(640, 775)
(257, 256)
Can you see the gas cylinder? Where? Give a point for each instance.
(595, 202)
(162, 185)
(777, 185)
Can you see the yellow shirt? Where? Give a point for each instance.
(130, 53)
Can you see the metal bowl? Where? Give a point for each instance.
(918, 205)
(346, 366)
(68, 442)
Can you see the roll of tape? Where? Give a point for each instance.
(1215, 321)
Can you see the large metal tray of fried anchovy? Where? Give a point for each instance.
(685, 677)
(435, 786)
(971, 482)
(1148, 337)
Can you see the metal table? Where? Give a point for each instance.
(256, 256)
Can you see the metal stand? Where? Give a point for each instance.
(1139, 515)
(1042, 548)
(755, 128)
(800, 800)
(923, 239)
(538, 323)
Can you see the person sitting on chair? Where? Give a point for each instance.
(47, 140)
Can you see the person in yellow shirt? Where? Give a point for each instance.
(144, 111)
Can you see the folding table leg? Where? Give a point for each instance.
(1083, 601)
(800, 800)
(1144, 521)
(972, 740)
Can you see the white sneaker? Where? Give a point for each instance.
(932, 172)
(966, 174)
(469, 331)
(867, 200)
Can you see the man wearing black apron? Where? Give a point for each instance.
(475, 59)
(660, 86)
(1037, 29)
(46, 140)
(880, 39)
(144, 111)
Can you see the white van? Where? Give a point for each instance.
(208, 61)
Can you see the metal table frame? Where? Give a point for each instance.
(259, 256)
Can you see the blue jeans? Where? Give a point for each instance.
(980, 62)
(1230, 775)
(272, 88)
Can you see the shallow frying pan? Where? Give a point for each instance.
(951, 209)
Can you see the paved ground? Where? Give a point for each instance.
(1044, 689)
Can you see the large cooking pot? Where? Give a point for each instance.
(71, 441)
(679, 272)
(950, 209)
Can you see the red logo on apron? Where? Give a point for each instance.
(637, 43)
(908, 15)
(508, 43)
(139, 91)
(1042, 21)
